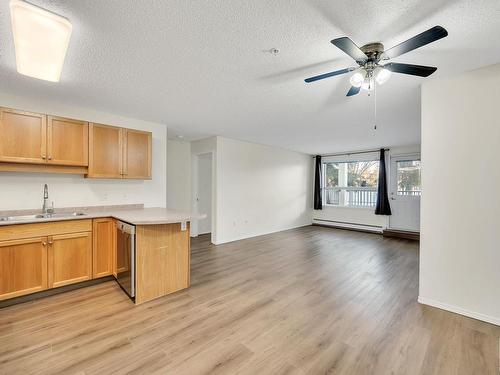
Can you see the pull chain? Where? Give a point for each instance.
(375, 105)
(375, 101)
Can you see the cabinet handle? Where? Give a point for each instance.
(44, 243)
(50, 242)
(50, 157)
(43, 157)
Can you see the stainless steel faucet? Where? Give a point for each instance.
(46, 209)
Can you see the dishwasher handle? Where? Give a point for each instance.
(125, 227)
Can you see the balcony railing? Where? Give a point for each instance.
(350, 196)
(411, 193)
(357, 196)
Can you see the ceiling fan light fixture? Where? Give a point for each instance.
(382, 75)
(41, 40)
(358, 78)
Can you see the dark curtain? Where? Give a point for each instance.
(382, 207)
(318, 202)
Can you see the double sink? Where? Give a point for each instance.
(40, 216)
(48, 213)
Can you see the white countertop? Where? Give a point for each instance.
(157, 215)
(135, 216)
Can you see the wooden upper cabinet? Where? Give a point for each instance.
(67, 141)
(105, 151)
(23, 136)
(136, 154)
(23, 266)
(62, 145)
(33, 138)
(104, 238)
(69, 258)
(119, 153)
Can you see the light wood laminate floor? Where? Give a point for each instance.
(305, 301)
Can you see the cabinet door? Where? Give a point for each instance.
(104, 248)
(23, 136)
(23, 267)
(69, 258)
(136, 154)
(67, 141)
(105, 151)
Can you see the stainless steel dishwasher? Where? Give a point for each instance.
(125, 257)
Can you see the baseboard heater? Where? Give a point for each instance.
(349, 225)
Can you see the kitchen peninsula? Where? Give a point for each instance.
(71, 246)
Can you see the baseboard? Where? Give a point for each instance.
(396, 233)
(349, 226)
(459, 310)
(52, 292)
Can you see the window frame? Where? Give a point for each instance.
(354, 158)
(394, 176)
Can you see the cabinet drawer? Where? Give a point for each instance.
(19, 231)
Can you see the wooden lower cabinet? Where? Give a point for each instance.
(104, 237)
(162, 260)
(23, 266)
(69, 258)
(35, 257)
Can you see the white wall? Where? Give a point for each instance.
(179, 175)
(260, 189)
(459, 249)
(361, 217)
(23, 191)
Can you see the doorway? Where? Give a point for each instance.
(405, 192)
(203, 198)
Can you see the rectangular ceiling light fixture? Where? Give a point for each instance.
(41, 40)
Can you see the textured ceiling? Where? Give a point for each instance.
(203, 67)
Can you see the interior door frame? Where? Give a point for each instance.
(195, 159)
(393, 170)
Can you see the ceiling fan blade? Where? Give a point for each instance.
(414, 70)
(353, 91)
(349, 47)
(429, 36)
(326, 75)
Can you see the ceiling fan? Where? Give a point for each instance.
(372, 59)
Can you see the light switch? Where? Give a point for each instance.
(183, 226)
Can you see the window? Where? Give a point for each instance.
(408, 177)
(350, 183)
